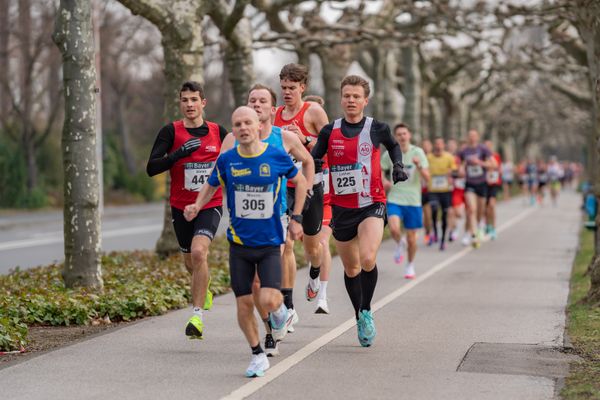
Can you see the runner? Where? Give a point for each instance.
(305, 119)
(531, 174)
(542, 181)
(555, 176)
(262, 100)
(441, 168)
(458, 193)
(475, 158)
(428, 238)
(358, 199)
(404, 200)
(188, 148)
(252, 174)
(494, 182)
(508, 177)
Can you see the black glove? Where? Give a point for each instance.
(398, 173)
(186, 149)
(319, 165)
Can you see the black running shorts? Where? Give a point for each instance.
(345, 221)
(492, 191)
(443, 199)
(206, 223)
(312, 218)
(245, 262)
(480, 189)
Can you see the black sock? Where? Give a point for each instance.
(287, 297)
(368, 281)
(314, 272)
(444, 223)
(257, 349)
(353, 287)
(267, 322)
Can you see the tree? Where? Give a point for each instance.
(73, 35)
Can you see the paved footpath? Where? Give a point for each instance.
(510, 291)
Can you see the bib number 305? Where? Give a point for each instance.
(254, 203)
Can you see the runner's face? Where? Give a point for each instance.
(292, 91)
(452, 146)
(245, 126)
(191, 105)
(402, 135)
(473, 137)
(438, 146)
(427, 146)
(260, 100)
(354, 100)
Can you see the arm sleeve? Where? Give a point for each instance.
(222, 133)
(320, 149)
(383, 135)
(159, 160)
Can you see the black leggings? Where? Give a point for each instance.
(245, 262)
(437, 201)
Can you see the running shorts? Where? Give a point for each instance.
(312, 218)
(411, 216)
(444, 199)
(245, 262)
(458, 197)
(345, 221)
(480, 189)
(492, 191)
(326, 215)
(206, 223)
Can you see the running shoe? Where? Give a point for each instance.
(366, 328)
(279, 331)
(426, 239)
(466, 240)
(493, 233)
(453, 236)
(194, 327)
(294, 320)
(312, 288)
(322, 307)
(442, 246)
(208, 300)
(409, 271)
(475, 242)
(399, 252)
(271, 346)
(258, 365)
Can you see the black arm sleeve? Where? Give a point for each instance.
(383, 135)
(222, 133)
(320, 149)
(159, 161)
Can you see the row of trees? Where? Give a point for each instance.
(526, 76)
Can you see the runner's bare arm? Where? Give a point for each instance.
(227, 143)
(206, 193)
(293, 146)
(295, 228)
(317, 120)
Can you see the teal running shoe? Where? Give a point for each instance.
(366, 328)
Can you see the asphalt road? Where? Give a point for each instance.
(509, 294)
(36, 238)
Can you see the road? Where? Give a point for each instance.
(475, 324)
(36, 238)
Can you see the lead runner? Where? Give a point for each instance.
(352, 144)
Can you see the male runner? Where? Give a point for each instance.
(188, 148)
(404, 199)
(305, 119)
(441, 168)
(555, 176)
(262, 100)
(494, 182)
(358, 199)
(252, 174)
(458, 193)
(429, 238)
(475, 158)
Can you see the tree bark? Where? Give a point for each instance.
(180, 23)
(4, 65)
(412, 89)
(73, 36)
(239, 62)
(335, 62)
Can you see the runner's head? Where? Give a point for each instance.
(438, 145)
(473, 137)
(355, 92)
(245, 125)
(262, 99)
(426, 146)
(489, 144)
(315, 99)
(191, 100)
(402, 134)
(293, 79)
(452, 146)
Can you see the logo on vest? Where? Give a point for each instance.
(211, 149)
(365, 149)
(265, 170)
(240, 172)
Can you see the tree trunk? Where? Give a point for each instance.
(412, 89)
(73, 36)
(435, 118)
(391, 105)
(335, 62)
(239, 62)
(4, 65)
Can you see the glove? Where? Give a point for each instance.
(398, 173)
(319, 165)
(186, 149)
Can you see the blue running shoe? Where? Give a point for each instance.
(366, 328)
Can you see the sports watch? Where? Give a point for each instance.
(307, 140)
(297, 217)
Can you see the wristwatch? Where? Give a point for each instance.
(297, 217)
(307, 140)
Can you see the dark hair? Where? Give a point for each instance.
(295, 73)
(355, 80)
(401, 125)
(315, 99)
(260, 86)
(438, 138)
(192, 86)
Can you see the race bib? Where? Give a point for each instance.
(474, 171)
(196, 174)
(323, 177)
(253, 201)
(439, 182)
(346, 179)
(492, 177)
(460, 183)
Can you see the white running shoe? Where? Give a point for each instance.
(466, 240)
(258, 365)
(399, 252)
(409, 271)
(292, 320)
(322, 307)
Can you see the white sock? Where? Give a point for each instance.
(323, 290)
(198, 311)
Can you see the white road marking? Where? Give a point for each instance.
(284, 365)
(19, 244)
